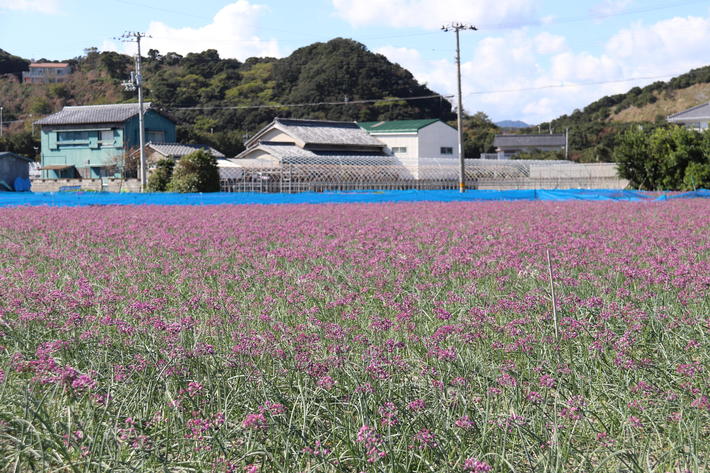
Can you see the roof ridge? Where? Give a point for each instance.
(315, 121)
(107, 105)
(705, 104)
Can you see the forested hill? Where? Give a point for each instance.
(678, 94)
(221, 101)
(594, 129)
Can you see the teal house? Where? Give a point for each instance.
(94, 141)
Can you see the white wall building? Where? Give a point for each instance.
(429, 138)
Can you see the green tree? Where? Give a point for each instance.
(479, 133)
(40, 106)
(159, 179)
(196, 172)
(10, 64)
(697, 176)
(632, 154)
(22, 143)
(674, 148)
(115, 64)
(668, 158)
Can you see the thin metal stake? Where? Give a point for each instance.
(552, 292)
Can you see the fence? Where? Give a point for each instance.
(299, 174)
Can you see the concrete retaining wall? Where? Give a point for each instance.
(97, 185)
(553, 183)
(570, 171)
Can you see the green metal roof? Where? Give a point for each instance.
(397, 126)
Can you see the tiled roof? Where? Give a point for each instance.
(529, 141)
(49, 64)
(10, 154)
(286, 152)
(397, 126)
(699, 112)
(179, 150)
(91, 114)
(320, 132)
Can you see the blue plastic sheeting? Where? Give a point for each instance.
(73, 199)
(700, 193)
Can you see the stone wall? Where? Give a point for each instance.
(96, 185)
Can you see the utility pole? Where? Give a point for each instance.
(1, 125)
(456, 27)
(136, 82)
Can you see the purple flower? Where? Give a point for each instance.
(464, 423)
(255, 422)
(473, 465)
(417, 405)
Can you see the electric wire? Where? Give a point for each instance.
(421, 97)
(311, 104)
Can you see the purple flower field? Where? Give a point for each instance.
(356, 338)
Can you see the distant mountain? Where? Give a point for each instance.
(512, 124)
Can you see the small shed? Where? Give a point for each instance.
(14, 172)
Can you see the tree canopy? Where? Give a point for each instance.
(664, 158)
(196, 172)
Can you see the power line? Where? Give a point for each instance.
(574, 19)
(421, 97)
(312, 104)
(562, 86)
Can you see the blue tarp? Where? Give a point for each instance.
(73, 199)
(700, 193)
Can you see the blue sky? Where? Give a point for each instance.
(530, 59)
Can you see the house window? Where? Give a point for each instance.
(447, 150)
(399, 149)
(155, 136)
(72, 136)
(107, 137)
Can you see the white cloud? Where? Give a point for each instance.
(233, 33)
(110, 46)
(610, 7)
(41, 6)
(546, 43)
(519, 60)
(438, 74)
(672, 45)
(432, 14)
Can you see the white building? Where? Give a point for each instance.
(430, 138)
(696, 118)
(46, 73)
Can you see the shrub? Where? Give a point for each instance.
(196, 172)
(159, 179)
(539, 155)
(697, 176)
(670, 158)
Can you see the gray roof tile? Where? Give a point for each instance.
(93, 114)
(321, 132)
(529, 141)
(179, 150)
(699, 112)
(289, 153)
